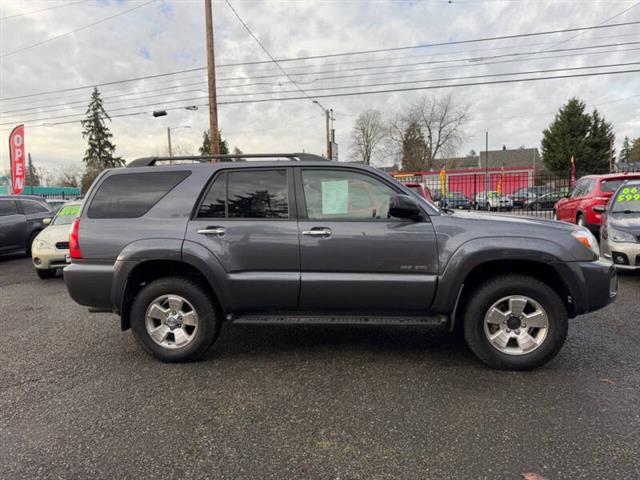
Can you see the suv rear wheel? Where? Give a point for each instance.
(174, 319)
(515, 322)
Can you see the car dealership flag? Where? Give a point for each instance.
(443, 181)
(16, 158)
(572, 182)
(499, 188)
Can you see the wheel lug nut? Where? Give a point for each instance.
(508, 330)
(517, 332)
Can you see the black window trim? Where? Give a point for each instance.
(291, 203)
(97, 188)
(302, 201)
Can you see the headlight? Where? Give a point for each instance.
(620, 237)
(41, 244)
(586, 238)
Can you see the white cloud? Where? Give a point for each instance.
(169, 35)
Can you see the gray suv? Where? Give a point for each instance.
(179, 246)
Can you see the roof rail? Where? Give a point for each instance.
(241, 157)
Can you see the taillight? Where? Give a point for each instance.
(74, 240)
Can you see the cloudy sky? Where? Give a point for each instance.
(164, 36)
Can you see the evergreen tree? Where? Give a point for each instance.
(33, 177)
(567, 137)
(600, 141)
(414, 149)
(205, 148)
(100, 151)
(575, 133)
(634, 152)
(624, 151)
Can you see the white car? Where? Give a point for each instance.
(50, 249)
(492, 201)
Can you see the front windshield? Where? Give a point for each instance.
(627, 200)
(66, 215)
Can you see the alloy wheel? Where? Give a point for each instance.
(516, 325)
(171, 321)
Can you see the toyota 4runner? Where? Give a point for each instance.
(178, 246)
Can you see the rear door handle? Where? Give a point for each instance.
(317, 232)
(219, 231)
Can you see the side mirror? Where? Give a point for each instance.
(46, 221)
(403, 206)
(600, 209)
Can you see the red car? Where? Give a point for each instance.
(419, 189)
(590, 191)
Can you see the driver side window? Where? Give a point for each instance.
(345, 195)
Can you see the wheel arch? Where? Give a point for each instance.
(545, 272)
(147, 271)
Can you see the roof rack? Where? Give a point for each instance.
(242, 157)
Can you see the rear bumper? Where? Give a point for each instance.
(90, 284)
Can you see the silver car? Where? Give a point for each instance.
(620, 230)
(492, 201)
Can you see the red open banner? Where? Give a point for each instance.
(17, 159)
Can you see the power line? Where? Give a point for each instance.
(55, 37)
(322, 56)
(43, 9)
(246, 27)
(346, 94)
(320, 79)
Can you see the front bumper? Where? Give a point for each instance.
(46, 259)
(625, 256)
(600, 285)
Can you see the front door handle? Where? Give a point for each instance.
(317, 232)
(219, 231)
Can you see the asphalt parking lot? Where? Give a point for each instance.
(79, 399)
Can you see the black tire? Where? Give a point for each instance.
(30, 243)
(208, 318)
(45, 274)
(486, 295)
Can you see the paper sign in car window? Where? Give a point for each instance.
(335, 197)
(69, 211)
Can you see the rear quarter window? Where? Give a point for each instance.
(132, 195)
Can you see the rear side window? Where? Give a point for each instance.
(29, 207)
(247, 194)
(8, 207)
(131, 195)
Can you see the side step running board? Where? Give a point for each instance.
(339, 320)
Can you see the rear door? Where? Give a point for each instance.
(353, 256)
(568, 208)
(12, 225)
(247, 221)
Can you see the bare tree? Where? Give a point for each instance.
(442, 123)
(367, 135)
(431, 128)
(70, 176)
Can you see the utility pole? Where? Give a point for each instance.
(169, 140)
(211, 69)
(487, 181)
(611, 155)
(327, 116)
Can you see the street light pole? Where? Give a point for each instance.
(169, 140)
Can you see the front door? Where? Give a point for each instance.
(353, 256)
(247, 222)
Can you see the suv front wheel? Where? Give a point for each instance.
(515, 322)
(174, 319)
